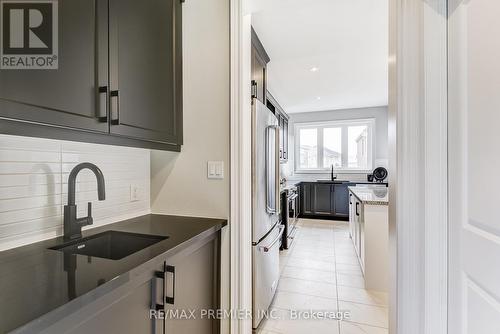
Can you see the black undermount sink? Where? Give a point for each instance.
(330, 181)
(112, 245)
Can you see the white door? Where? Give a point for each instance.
(474, 153)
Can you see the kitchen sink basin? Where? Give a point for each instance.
(112, 245)
(330, 181)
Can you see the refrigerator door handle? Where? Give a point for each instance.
(272, 169)
(266, 249)
(277, 170)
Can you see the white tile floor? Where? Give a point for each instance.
(321, 273)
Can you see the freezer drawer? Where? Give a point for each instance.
(265, 272)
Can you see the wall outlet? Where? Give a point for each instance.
(215, 170)
(134, 193)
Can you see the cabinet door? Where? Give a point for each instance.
(282, 132)
(146, 69)
(68, 96)
(356, 225)
(285, 140)
(341, 200)
(306, 203)
(351, 215)
(362, 242)
(194, 286)
(259, 76)
(129, 315)
(323, 199)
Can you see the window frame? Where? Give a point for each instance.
(344, 125)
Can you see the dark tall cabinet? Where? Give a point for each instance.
(119, 79)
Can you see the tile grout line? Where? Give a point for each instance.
(336, 278)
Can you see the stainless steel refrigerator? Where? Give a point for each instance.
(266, 228)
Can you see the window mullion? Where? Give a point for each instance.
(345, 147)
(320, 148)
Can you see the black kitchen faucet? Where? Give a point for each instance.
(72, 224)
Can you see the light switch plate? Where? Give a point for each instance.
(215, 170)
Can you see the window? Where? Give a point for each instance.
(346, 145)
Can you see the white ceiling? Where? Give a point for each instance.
(346, 39)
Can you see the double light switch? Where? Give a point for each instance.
(215, 170)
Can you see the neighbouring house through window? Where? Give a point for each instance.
(347, 145)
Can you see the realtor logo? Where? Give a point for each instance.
(29, 35)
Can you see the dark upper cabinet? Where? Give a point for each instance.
(68, 96)
(145, 69)
(138, 43)
(260, 59)
(285, 139)
(282, 117)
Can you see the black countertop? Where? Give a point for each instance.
(295, 183)
(34, 282)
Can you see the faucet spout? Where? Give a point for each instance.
(101, 189)
(72, 224)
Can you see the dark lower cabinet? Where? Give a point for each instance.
(186, 281)
(322, 199)
(341, 199)
(325, 200)
(130, 314)
(119, 79)
(196, 288)
(306, 201)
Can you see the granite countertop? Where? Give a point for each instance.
(34, 282)
(371, 195)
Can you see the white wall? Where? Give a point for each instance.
(380, 148)
(179, 180)
(33, 185)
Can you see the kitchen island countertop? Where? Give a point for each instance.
(371, 195)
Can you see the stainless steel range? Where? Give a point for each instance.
(290, 219)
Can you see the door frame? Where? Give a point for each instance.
(418, 183)
(241, 168)
(418, 166)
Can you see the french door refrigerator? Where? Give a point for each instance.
(266, 228)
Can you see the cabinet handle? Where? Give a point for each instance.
(114, 97)
(102, 112)
(357, 205)
(155, 305)
(171, 300)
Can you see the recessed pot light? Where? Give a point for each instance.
(314, 69)
(318, 98)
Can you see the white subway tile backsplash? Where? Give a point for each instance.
(33, 185)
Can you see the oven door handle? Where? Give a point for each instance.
(280, 234)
